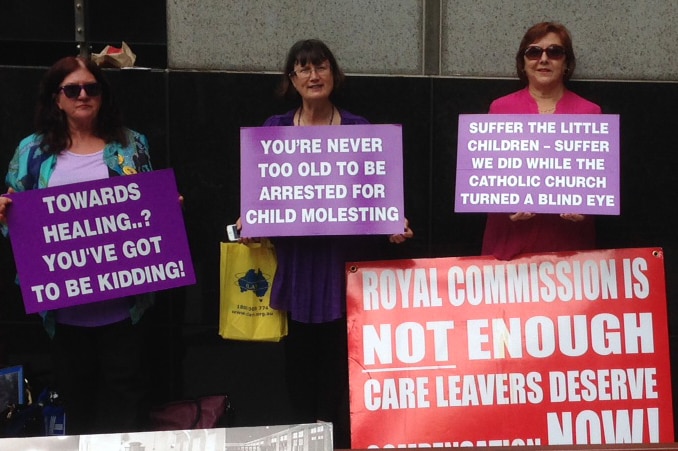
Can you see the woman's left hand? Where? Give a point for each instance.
(401, 237)
(574, 217)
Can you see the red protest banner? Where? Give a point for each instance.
(548, 349)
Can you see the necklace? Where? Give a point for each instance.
(301, 109)
(547, 100)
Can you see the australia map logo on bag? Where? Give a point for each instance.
(254, 280)
(247, 276)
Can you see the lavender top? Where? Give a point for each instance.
(73, 168)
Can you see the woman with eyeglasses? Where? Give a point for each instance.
(545, 62)
(310, 279)
(99, 361)
(312, 75)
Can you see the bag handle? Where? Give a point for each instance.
(263, 242)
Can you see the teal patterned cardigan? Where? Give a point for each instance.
(31, 168)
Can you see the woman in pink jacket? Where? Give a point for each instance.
(545, 61)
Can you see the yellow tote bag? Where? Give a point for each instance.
(247, 272)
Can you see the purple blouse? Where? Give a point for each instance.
(310, 280)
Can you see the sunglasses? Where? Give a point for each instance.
(554, 52)
(73, 91)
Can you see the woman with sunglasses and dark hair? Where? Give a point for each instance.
(98, 348)
(545, 61)
(310, 279)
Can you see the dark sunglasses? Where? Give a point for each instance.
(73, 91)
(554, 52)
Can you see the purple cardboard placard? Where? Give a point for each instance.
(104, 239)
(323, 180)
(560, 163)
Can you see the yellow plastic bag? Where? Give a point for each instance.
(247, 273)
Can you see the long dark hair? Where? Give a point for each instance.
(306, 51)
(538, 31)
(51, 122)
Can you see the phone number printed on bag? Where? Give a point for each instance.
(266, 309)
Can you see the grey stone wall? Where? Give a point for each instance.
(614, 39)
(367, 36)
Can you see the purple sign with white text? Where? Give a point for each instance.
(322, 180)
(104, 239)
(560, 163)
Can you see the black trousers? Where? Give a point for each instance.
(316, 369)
(102, 377)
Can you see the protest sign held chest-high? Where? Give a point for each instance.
(103, 239)
(323, 180)
(564, 163)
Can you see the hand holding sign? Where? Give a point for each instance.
(5, 201)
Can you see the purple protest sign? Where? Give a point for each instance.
(104, 239)
(323, 180)
(561, 163)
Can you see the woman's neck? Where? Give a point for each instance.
(84, 141)
(547, 97)
(315, 113)
(547, 92)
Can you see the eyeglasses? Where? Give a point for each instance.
(554, 52)
(73, 91)
(306, 71)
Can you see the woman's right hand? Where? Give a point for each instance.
(4, 205)
(244, 239)
(521, 216)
